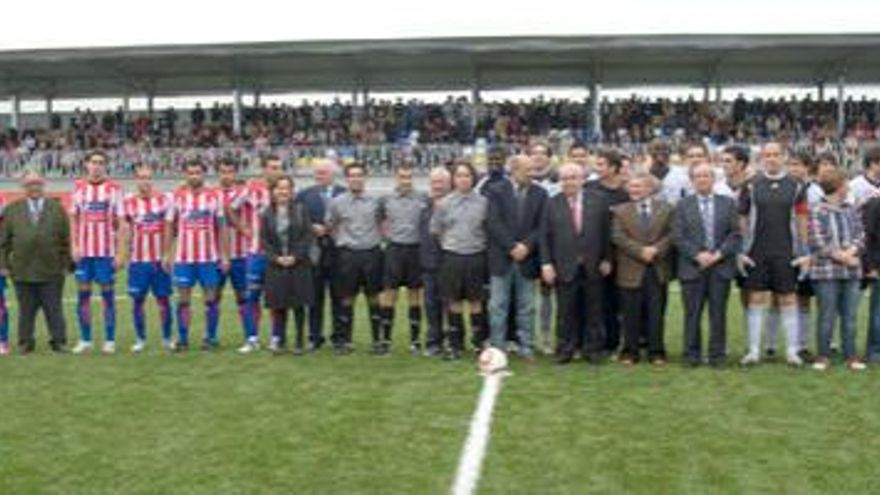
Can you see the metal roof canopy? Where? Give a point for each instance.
(441, 64)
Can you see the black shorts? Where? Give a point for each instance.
(805, 288)
(463, 277)
(403, 267)
(356, 270)
(774, 274)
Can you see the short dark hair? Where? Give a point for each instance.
(872, 156)
(227, 161)
(96, 152)
(355, 165)
(614, 159)
(195, 162)
(806, 158)
(578, 146)
(739, 153)
(269, 158)
(827, 156)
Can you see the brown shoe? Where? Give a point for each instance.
(658, 362)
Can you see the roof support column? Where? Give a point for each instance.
(717, 91)
(354, 97)
(236, 111)
(366, 96)
(49, 101)
(841, 110)
(257, 98)
(595, 111)
(150, 99)
(820, 89)
(14, 111)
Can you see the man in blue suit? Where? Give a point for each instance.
(315, 198)
(706, 233)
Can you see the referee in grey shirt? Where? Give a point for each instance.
(460, 224)
(401, 212)
(353, 220)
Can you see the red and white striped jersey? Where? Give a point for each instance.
(249, 207)
(2, 206)
(234, 199)
(96, 207)
(198, 216)
(146, 218)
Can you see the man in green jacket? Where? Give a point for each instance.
(35, 254)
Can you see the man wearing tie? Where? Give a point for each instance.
(35, 253)
(705, 231)
(575, 255)
(641, 234)
(315, 199)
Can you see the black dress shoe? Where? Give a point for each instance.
(59, 349)
(564, 358)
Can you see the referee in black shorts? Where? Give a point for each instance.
(353, 220)
(400, 213)
(459, 222)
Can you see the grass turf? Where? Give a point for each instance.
(223, 423)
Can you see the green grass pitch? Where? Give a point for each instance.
(224, 423)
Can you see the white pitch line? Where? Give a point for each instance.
(471, 461)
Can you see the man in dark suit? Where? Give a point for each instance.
(575, 256)
(516, 209)
(705, 231)
(641, 236)
(35, 253)
(315, 199)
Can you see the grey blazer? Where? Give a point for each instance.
(689, 236)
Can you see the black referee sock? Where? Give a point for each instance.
(456, 331)
(346, 314)
(387, 323)
(375, 321)
(415, 323)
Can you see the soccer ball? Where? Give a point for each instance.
(492, 360)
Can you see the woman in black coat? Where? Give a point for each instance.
(287, 239)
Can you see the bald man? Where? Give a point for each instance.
(774, 216)
(315, 199)
(575, 256)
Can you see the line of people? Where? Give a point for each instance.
(600, 236)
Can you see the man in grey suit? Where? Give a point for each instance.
(705, 232)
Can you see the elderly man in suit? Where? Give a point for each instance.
(575, 255)
(315, 199)
(705, 231)
(641, 232)
(35, 252)
(516, 210)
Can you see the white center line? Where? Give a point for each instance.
(471, 461)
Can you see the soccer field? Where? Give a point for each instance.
(224, 423)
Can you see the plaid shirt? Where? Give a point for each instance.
(834, 227)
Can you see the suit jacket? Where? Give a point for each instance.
(35, 253)
(315, 202)
(629, 238)
(689, 236)
(505, 227)
(563, 248)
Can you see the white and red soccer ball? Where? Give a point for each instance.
(492, 360)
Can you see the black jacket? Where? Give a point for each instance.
(506, 226)
(563, 248)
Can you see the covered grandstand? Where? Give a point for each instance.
(360, 67)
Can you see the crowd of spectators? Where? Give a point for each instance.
(310, 128)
